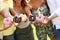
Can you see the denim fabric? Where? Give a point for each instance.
(57, 33)
(9, 37)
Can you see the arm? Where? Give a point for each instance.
(11, 9)
(4, 28)
(52, 16)
(56, 13)
(28, 10)
(5, 13)
(13, 12)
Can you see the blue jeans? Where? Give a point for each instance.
(57, 33)
(9, 37)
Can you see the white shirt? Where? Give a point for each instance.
(24, 25)
(54, 6)
(1, 0)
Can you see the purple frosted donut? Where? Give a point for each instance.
(7, 21)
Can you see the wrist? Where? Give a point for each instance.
(49, 18)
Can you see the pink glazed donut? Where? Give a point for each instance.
(40, 18)
(7, 21)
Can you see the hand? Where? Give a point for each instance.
(46, 20)
(7, 21)
(32, 18)
(24, 17)
(42, 19)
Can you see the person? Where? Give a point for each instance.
(30, 5)
(55, 16)
(18, 6)
(5, 6)
(24, 30)
(41, 29)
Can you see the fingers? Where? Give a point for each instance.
(24, 17)
(46, 20)
(7, 21)
(42, 19)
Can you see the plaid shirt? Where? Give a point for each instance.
(41, 29)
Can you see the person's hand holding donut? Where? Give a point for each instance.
(8, 21)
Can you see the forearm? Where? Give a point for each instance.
(53, 16)
(13, 12)
(4, 28)
(28, 11)
(5, 13)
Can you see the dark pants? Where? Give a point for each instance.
(24, 34)
(9, 37)
(57, 32)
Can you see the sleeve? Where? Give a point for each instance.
(57, 11)
(10, 3)
(2, 6)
